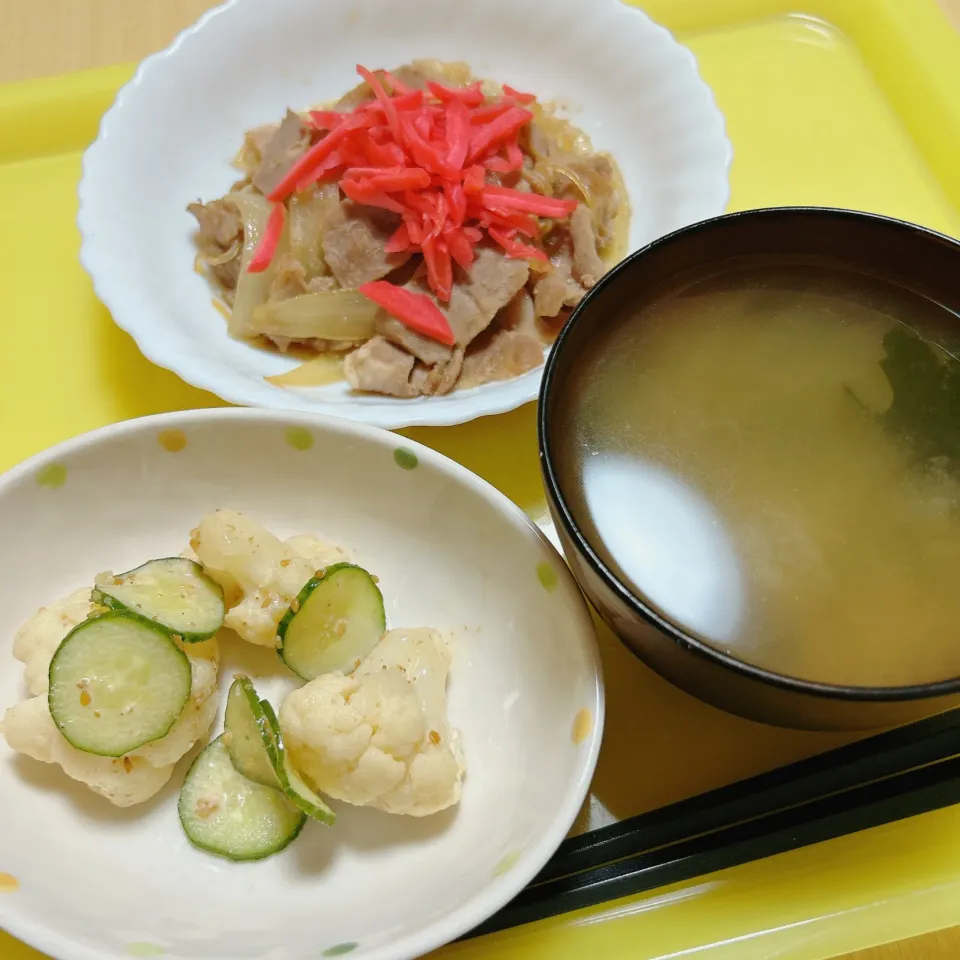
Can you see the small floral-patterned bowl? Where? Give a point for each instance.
(81, 880)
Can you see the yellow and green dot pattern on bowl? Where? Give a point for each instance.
(173, 441)
(145, 949)
(52, 475)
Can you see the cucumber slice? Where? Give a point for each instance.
(173, 592)
(249, 736)
(223, 812)
(292, 784)
(252, 737)
(117, 681)
(336, 620)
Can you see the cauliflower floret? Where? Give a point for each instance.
(37, 640)
(380, 736)
(353, 737)
(260, 573)
(318, 553)
(29, 728)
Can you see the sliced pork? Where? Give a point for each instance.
(588, 268)
(499, 354)
(478, 294)
(219, 238)
(379, 366)
(556, 289)
(353, 244)
(286, 143)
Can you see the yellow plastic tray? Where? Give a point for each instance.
(854, 103)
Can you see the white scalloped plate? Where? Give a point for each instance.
(82, 880)
(170, 136)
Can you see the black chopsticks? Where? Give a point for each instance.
(883, 778)
(882, 755)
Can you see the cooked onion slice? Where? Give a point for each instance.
(333, 315)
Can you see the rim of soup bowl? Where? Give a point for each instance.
(583, 546)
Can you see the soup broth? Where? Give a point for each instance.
(770, 458)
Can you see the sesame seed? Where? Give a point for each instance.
(206, 806)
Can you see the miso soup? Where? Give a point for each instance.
(769, 457)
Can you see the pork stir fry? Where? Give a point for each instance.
(432, 229)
